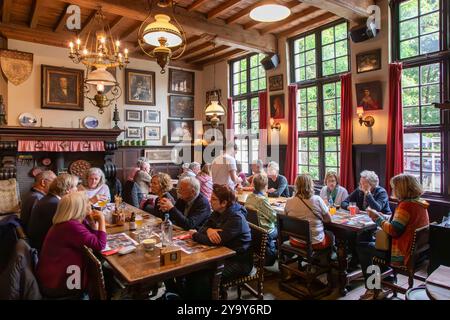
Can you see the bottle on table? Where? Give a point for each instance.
(166, 231)
(133, 221)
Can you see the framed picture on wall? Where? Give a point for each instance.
(139, 87)
(181, 106)
(368, 95)
(277, 106)
(368, 61)
(276, 83)
(161, 155)
(152, 133)
(181, 130)
(133, 115)
(62, 88)
(181, 81)
(134, 133)
(152, 116)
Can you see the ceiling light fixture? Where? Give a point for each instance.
(270, 13)
(214, 109)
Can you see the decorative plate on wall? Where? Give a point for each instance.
(27, 120)
(90, 122)
(79, 168)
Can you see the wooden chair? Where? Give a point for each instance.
(419, 256)
(97, 289)
(305, 263)
(252, 216)
(259, 240)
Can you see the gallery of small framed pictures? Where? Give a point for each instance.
(152, 133)
(152, 116)
(134, 133)
(133, 115)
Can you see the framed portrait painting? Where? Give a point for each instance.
(134, 133)
(62, 88)
(139, 87)
(277, 106)
(133, 115)
(181, 130)
(181, 106)
(182, 82)
(152, 116)
(152, 133)
(276, 83)
(368, 95)
(368, 61)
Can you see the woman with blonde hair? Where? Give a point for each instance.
(332, 192)
(307, 206)
(161, 185)
(411, 214)
(63, 245)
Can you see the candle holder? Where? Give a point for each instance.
(116, 118)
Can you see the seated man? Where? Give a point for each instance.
(39, 189)
(369, 194)
(192, 208)
(278, 184)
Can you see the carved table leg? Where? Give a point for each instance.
(343, 264)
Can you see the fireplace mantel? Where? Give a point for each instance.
(43, 133)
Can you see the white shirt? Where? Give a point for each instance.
(296, 208)
(220, 170)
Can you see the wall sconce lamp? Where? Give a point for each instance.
(275, 125)
(368, 121)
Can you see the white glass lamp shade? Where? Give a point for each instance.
(214, 109)
(100, 77)
(162, 28)
(270, 13)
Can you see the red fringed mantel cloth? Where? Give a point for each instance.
(60, 146)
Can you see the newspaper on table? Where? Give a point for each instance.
(118, 240)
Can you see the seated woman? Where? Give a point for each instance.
(307, 206)
(161, 185)
(227, 227)
(45, 209)
(369, 194)
(410, 215)
(63, 246)
(95, 186)
(257, 168)
(267, 216)
(206, 184)
(332, 190)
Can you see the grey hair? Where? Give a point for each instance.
(140, 160)
(185, 165)
(96, 171)
(194, 165)
(194, 183)
(273, 165)
(371, 177)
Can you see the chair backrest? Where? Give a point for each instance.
(131, 193)
(96, 288)
(291, 189)
(259, 242)
(296, 228)
(252, 216)
(420, 246)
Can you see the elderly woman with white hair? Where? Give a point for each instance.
(369, 194)
(95, 186)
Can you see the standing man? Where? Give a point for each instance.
(224, 169)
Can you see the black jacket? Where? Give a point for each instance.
(155, 210)
(378, 200)
(28, 203)
(235, 233)
(281, 187)
(41, 220)
(195, 217)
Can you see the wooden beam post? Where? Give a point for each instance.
(6, 10)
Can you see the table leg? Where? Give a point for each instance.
(215, 282)
(343, 264)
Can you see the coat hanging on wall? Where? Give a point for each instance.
(16, 65)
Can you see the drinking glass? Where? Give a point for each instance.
(352, 208)
(139, 220)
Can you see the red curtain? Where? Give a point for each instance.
(346, 161)
(291, 167)
(263, 120)
(394, 148)
(230, 120)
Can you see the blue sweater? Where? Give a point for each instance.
(378, 200)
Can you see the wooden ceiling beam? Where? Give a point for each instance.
(352, 10)
(276, 25)
(87, 24)
(116, 23)
(19, 32)
(246, 11)
(61, 20)
(127, 33)
(206, 54)
(196, 22)
(37, 4)
(226, 55)
(222, 8)
(172, 63)
(198, 48)
(194, 5)
(6, 10)
(309, 25)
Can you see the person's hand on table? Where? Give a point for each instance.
(191, 232)
(213, 235)
(271, 190)
(373, 214)
(165, 205)
(97, 198)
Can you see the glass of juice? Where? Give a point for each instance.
(332, 210)
(352, 208)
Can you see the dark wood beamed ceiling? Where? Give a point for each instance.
(215, 30)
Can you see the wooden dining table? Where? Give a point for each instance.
(141, 270)
(346, 229)
(438, 284)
